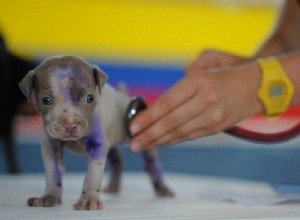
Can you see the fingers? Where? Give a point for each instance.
(198, 126)
(174, 119)
(176, 96)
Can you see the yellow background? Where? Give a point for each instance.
(172, 31)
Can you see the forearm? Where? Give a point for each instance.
(286, 34)
(291, 64)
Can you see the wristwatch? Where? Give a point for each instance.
(275, 90)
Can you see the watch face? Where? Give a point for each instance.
(278, 98)
(276, 90)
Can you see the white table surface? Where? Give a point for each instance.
(196, 198)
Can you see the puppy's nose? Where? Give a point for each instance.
(71, 127)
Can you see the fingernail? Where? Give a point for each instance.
(135, 146)
(135, 128)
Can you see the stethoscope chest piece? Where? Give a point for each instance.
(136, 105)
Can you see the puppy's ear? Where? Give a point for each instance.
(100, 78)
(27, 84)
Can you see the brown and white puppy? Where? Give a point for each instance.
(82, 113)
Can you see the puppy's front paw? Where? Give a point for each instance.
(45, 201)
(87, 204)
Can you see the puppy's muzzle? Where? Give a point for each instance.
(71, 128)
(68, 130)
(68, 127)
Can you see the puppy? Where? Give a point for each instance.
(82, 113)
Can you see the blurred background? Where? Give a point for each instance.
(146, 45)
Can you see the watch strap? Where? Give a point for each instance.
(276, 90)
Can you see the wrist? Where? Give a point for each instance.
(253, 81)
(291, 63)
(247, 79)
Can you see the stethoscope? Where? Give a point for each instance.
(138, 104)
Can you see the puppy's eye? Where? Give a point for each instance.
(90, 98)
(47, 100)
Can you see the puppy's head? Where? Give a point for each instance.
(64, 91)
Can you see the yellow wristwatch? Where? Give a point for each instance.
(276, 90)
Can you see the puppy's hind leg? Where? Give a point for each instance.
(152, 166)
(115, 160)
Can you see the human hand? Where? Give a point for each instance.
(215, 59)
(198, 105)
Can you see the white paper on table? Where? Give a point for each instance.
(261, 194)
